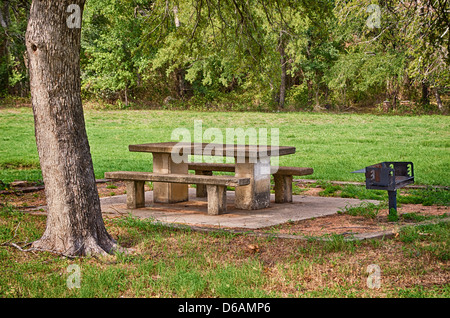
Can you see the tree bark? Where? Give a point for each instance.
(425, 93)
(4, 68)
(283, 74)
(4, 76)
(74, 221)
(180, 83)
(438, 99)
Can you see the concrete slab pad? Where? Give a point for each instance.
(194, 212)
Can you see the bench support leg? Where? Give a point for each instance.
(217, 199)
(135, 194)
(256, 195)
(283, 188)
(201, 188)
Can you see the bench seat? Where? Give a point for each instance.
(283, 177)
(215, 185)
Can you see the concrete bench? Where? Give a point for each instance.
(283, 177)
(216, 186)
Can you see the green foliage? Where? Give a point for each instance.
(416, 217)
(13, 68)
(329, 190)
(112, 57)
(426, 197)
(360, 192)
(389, 57)
(365, 209)
(393, 215)
(430, 238)
(338, 243)
(262, 55)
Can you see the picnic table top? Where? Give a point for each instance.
(213, 149)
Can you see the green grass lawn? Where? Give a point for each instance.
(169, 262)
(180, 262)
(333, 144)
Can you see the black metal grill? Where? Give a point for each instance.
(390, 176)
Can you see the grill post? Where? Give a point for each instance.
(392, 200)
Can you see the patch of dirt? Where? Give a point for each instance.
(312, 191)
(342, 224)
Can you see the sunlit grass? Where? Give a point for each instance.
(332, 144)
(179, 262)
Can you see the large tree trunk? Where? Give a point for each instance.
(74, 221)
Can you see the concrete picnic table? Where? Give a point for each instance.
(251, 162)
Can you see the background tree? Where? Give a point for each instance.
(425, 27)
(112, 58)
(233, 42)
(13, 69)
(259, 55)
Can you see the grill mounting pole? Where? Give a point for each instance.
(392, 200)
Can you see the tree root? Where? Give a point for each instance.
(89, 246)
(94, 251)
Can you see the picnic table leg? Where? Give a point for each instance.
(135, 194)
(169, 192)
(256, 195)
(201, 188)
